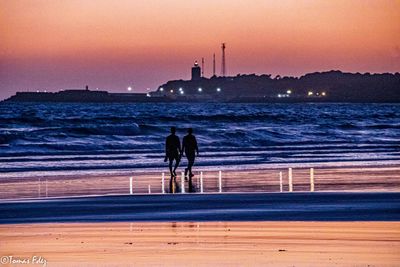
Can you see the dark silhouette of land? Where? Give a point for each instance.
(331, 86)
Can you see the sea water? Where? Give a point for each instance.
(36, 139)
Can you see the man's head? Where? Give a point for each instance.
(173, 130)
(190, 130)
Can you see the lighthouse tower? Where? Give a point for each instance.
(196, 72)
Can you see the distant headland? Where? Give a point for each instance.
(331, 86)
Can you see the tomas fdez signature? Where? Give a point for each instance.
(13, 260)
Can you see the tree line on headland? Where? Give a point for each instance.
(319, 86)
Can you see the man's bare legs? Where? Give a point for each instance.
(171, 162)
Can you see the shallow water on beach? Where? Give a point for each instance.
(36, 139)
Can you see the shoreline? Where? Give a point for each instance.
(375, 178)
(112, 171)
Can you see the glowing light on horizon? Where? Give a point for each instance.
(289, 92)
(161, 89)
(129, 88)
(323, 94)
(200, 89)
(218, 89)
(310, 93)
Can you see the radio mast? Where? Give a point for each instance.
(223, 64)
(214, 64)
(202, 67)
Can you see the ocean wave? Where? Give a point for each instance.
(122, 130)
(383, 126)
(41, 134)
(8, 138)
(270, 133)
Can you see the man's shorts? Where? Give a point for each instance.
(174, 156)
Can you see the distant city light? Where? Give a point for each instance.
(181, 92)
(218, 89)
(180, 89)
(200, 89)
(323, 94)
(161, 89)
(37, 91)
(148, 95)
(171, 91)
(283, 95)
(289, 92)
(129, 88)
(310, 93)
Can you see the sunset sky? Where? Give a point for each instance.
(57, 44)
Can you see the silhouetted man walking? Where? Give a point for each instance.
(173, 151)
(189, 147)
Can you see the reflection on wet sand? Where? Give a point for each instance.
(175, 188)
(173, 185)
(191, 188)
(362, 178)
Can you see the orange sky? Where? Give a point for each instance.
(53, 44)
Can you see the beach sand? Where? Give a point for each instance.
(278, 243)
(349, 178)
(206, 243)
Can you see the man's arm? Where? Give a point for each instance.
(166, 150)
(166, 146)
(179, 145)
(196, 147)
(183, 145)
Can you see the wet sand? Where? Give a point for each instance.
(306, 206)
(233, 243)
(206, 243)
(354, 178)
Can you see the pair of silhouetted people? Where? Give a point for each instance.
(174, 152)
